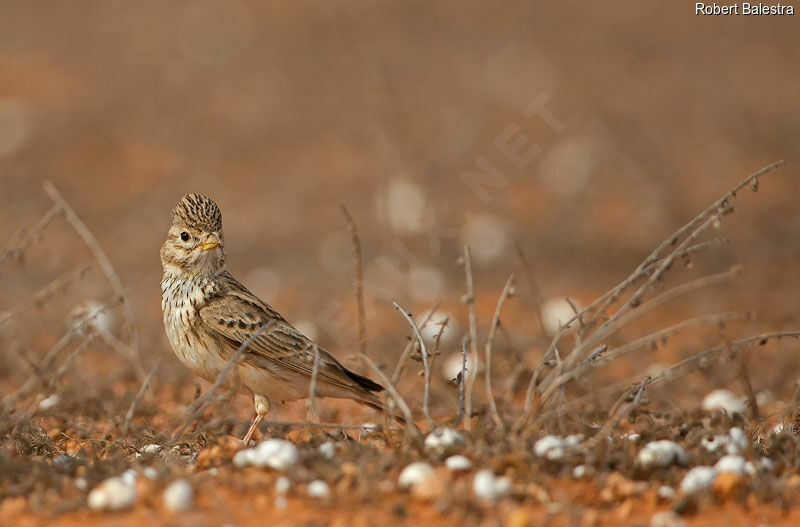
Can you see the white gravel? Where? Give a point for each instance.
(487, 486)
(414, 474)
(274, 453)
(661, 454)
(319, 489)
(113, 494)
(179, 496)
(458, 463)
(698, 479)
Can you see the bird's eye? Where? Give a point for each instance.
(185, 236)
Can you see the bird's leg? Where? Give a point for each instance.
(262, 406)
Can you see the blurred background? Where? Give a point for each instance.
(586, 131)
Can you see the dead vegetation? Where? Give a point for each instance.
(52, 454)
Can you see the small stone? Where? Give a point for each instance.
(731, 463)
(414, 474)
(319, 489)
(698, 479)
(274, 453)
(667, 519)
(443, 440)
(112, 494)
(433, 487)
(550, 447)
(49, 402)
(666, 493)
(724, 400)
(487, 486)
(328, 450)
(458, 463)
(178, 496)
(661, 454)
(580, 471)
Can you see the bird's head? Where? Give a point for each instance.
(194, 243)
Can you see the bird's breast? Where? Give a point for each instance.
(181, 300)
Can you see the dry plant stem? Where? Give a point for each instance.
(23, 239)
(438, 340)
(472, 373)
(671, 240)
(398, 369)
(138, 399)
(424, 350)
(411, 428)
(676, 371)
(52, 354)
(70, 360)
(202, 403)
(608, 329)
(359, 285)
(321, 426)
(312, 389)
(489, 343)
(460, 413)
(747, 386)
(44, 294)
(603, 433)
(536, 293)
(105, 266)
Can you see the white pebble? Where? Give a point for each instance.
(489, 487)
(738, 440)
(328, 450)
(318, 489)
(765, 464)
(667, 519)
(112, 494)
(450, 333)
(150, 473)
(282, 485)
(414, 474)
(698, 479)
(550, 447)
(632, 437)
(178, 496)
(81, 483)
(556, 311)
(151, 449)
(579, 471)
(666, 492)
(274, 453)
(442, 439)
(49, 402)
(731, 463)
(129, 476)
(458, 463)
(451, 366)
(661, 454)
(723, 400)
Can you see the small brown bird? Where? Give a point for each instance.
(208, 315)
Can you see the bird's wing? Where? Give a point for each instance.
(237, 315)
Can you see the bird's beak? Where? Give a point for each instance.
(212, 242)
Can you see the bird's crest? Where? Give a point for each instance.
(200, 212)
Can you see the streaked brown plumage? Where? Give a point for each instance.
(208, 315)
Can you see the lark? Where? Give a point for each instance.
(208, 315)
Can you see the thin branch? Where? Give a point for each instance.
(359, 283)
(105, 266)
(23, 238)
(424, 351)
(398, 369)
(472, 373)
(138, 399)
(536, 293)
(460, 413)
(489, 342)
(411, 429)
(312, 389)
